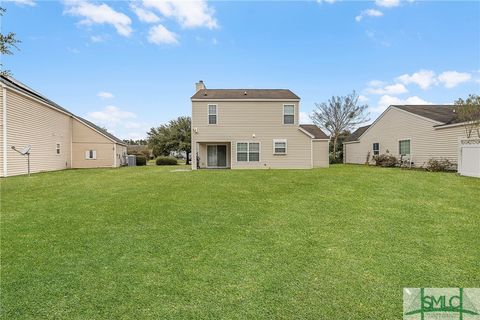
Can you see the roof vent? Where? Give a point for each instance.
(245, 93)
(205, 94)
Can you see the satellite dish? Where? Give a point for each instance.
(26, 150)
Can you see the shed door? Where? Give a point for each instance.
(470, 162)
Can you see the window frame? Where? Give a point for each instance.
(373, 148)
(93, 152)
(280, 141)
(248, 151)
(409, 146)
(294, 114)
(209, 114)
(58, 148)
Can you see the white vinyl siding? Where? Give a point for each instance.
(288, 114)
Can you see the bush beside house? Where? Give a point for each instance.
(166, 161)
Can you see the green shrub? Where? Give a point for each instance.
(141, 160)
(385, 160)
(166, 161)
(437, 165)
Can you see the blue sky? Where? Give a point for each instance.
(131, 65)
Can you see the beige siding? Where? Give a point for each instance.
(242, 121)
(31, 122)
(83, 139)
(320, 153)
(425, 141)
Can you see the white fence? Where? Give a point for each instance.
(469, 157)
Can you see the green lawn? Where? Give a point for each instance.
(133, 243)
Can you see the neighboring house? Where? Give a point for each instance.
(253, 129)
(416, 133)
(58, 138)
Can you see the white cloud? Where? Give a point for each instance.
(304, 118)
(189, 14)
(99, 14)
(97, 38)
(451, 79)
(105, 95)
(144, 15)
(110, 116)
(387, 100)
(397, 88)
(362, 99)
(23, 2)
(368, 13)
(161, 35)
(387, 3)
(424, 79)
(132, 125)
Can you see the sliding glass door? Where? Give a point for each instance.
(216, 156)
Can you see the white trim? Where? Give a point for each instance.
(451, 125)
(350, 142)
(280, 141)
(208, 114)
(71, 142)
(204, 100)
(373, 150)
(5, 148)
(226, 159)
(294, 114)
(320, 139)
(114, 155)
(248, 151)
(308, 133)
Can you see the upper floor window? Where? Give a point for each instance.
(404, 147)
(288, 114)
(212, 114)
(376, 148)
(57, 148)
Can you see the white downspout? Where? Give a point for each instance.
(4, 124)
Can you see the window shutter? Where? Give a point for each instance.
(87, 154)
(94, 154)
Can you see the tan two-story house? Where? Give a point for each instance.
(253, 129)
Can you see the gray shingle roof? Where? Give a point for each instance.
(314, 130)
(357, 133)
(14, 83)
(442, 113)
(277, 94)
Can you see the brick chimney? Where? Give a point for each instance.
(199, 86)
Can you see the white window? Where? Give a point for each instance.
(212, 114)
(288, 114)
(404, 147)
(57, 148)
(376, 148)
(248, 151)
(280, 146)
(90, 154)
